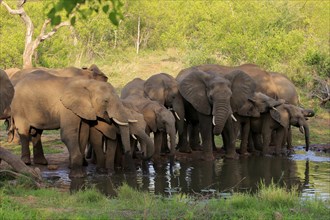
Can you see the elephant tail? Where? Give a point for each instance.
(10, 129)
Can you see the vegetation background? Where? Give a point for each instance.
(286, 36)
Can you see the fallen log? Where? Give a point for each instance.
(17, 164)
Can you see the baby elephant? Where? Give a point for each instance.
(278, 120)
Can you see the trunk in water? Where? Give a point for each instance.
(220, 116)
(306, 128)
(147, 143)
(125, 139)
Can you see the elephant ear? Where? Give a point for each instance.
(280, 116)
(97, 73)
(108, 130)
(150, 118)
(192, 87)
(6, 91)
(76, 97)
(242, 87)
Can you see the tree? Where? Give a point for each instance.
(72, 8)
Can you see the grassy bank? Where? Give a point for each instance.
(271, 202)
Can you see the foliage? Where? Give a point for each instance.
(74, 7)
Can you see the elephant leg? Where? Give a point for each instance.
(158, 138)
(96, 145)
(183, 145)
(110, 155)
(207, 136)
(245, 130)
(289, 140)
(194, 140)
(23, 130)
(164, 148)
(38, 152)
(250, 144)
(70, 136)
(83, 139)
(279, 138)
(266, 136)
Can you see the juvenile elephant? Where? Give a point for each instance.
(210, 99)
(253, 108)
(110, 134)
(159, 120)
(68, 103)
(278, 120)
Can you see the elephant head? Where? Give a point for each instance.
(214, 94)
(97, 73)
(95, 100)
(158, 118)
(163, 88)
(6, 91)
(259, 103)
(287, 114)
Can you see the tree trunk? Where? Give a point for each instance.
(30, 45)
(16, 163)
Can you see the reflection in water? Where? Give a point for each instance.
(222, 176)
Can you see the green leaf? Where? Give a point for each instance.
(113, 18)
(105, 8)
(56, 20)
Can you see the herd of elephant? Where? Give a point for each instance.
(243, 102)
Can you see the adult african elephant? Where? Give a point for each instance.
(274, 85)
(160, 120)
(278, 120)
(93, 72)
(210, 99)
(109, 134)
(68, 103)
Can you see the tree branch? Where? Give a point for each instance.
(44, 36)
(12, 11)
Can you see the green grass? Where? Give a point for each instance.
(23, 203)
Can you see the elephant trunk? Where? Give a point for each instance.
(171, 131)
(148, 145)
(220, 115)
(306, 129)
(125, 139)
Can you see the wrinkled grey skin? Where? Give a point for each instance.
(211, 99)
(159, 119)
(6, 91)
(278, 120)
(68, 103)
(110, 134)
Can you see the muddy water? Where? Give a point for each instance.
(309, 172)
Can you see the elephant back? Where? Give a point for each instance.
(134, 87)
(286, 89)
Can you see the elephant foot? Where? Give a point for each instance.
(77, 173)
(197, 148)
(26, 160)
(185, 150)
(207, 156)
(40, 160)
(85, 163)
(233, 155)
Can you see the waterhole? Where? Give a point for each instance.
(308, 172)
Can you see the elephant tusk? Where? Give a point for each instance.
(213, 120)
(133, 136)
(274, 109)
(302, 129)
(233, 117)
(185, 119)
(119, 122)
(177, 116)
(132, 120)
